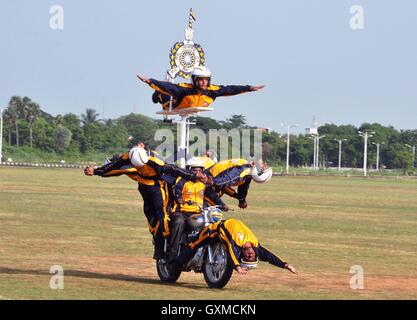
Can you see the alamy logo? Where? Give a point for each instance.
(357, 21)
(56, 21)
(57, 280)
(357, 280)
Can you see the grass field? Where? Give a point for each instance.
(95, 229)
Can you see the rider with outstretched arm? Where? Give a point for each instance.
(200, 93)
(155, 179)
(242, 244)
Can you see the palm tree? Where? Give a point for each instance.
(89, 117)
(7, 116)
(32, 111)
(15, 111)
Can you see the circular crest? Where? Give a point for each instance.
(185, 57)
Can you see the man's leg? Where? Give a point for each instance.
(149, 210)
(160, 203)
(177, 231)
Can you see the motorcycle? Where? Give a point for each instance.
(212, 259)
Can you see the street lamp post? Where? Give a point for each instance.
(365, 136)
(413, 148)
(318, 150)
(288, 144)
(377, 154)
(340, 152)
(1, 135)
(314, 150)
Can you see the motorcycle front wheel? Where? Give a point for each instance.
(218, 273)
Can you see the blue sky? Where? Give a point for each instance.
(304, 51)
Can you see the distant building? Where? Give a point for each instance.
(266, 130)
(314, 127)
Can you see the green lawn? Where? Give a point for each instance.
(95, 229)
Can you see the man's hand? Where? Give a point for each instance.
(256, 88)
(210, 180)
(89, 171)
(290, 268)
(143, 79)
(251, 163)
(241, 270)
(201, 177)
(243, 204)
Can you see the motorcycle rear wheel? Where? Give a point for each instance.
(165, 273)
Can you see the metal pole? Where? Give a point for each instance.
(340, 154)
(318, 153)
(182, 148)
(377, 157)
(414, 152)
(1, 135)
(365, 150)
(315, 152)
(288, 149)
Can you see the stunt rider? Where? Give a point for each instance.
(200, 93)
(155, 178)
(239, 173)
(243, 246)
(188, 195)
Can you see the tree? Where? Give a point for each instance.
(63, 139)
(90, 116)
(15, 110)
(31, 112)
(237, 121)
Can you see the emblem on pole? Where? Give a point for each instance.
(186, 55)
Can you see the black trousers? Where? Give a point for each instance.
(178, 221)
(155, 207)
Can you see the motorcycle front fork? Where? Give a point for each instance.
(210, 254)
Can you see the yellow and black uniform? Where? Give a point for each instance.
(234, 234)
(231, 173)
(154, 179)
(187, 96)
(186, 193)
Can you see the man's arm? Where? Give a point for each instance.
(213, 196)
(177, 190)
(242, 192)
(265, 255)
(234, 90)
(164, 87)
(120, 165)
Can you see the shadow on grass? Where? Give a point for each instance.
(95, 275)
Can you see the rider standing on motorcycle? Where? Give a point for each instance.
(200, 93)
(237, 173)
(243, 246)
(154, 180)
(187, 196)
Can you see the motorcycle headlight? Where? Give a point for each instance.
(216, 215)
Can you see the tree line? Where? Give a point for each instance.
(27, 125)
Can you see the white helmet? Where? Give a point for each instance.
(138, 156)
(200, 72)
(261, 176)
(212, 155)
(249, 265)
(194, 163)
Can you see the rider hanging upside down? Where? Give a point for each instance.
(200, 93)
(242, 244)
